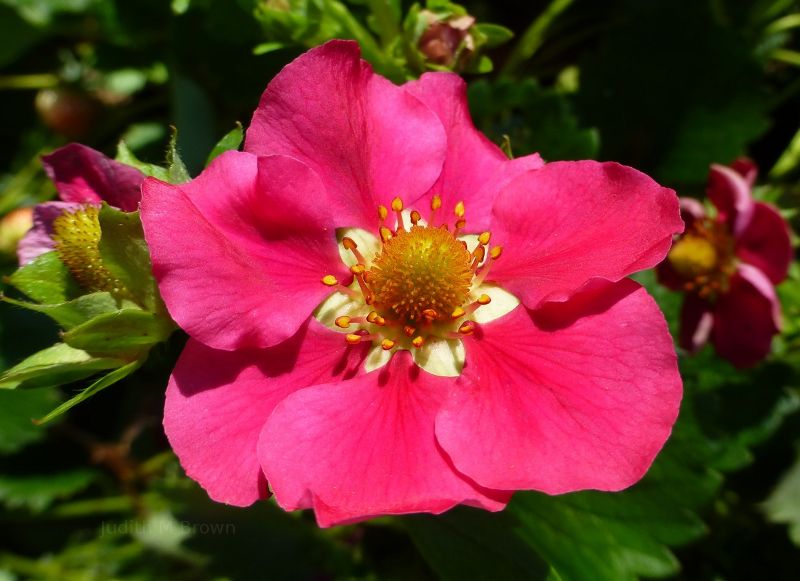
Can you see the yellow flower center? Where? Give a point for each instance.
(693, 256)
(418, 271)
(705, 258)
(77, 241)
(418, 287)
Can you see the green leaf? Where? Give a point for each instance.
(494, 33)
(74, 312)
(783, 505)
(176, 169)
(230, 142)
(46, 280)
(466, 543)
(40, 491)
(126, 156)
(55, 365)
(18, 36)
(99, 385)
(535, 119)
(126, 333)
(125, 254)
(17, 409)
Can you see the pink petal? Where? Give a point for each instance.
(239, 252)
(569, 222)
(766, 243)
(691, 211)
(365, 447)
(39, 239)
(578, 395)
(730, 193)
(746, 318)
(368, 140)
(697, 321)
(475, 169)
(82, 174)
(218, 401)
(746, 168)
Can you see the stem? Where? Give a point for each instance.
(533, 37)
(384, 20)
(39, 81)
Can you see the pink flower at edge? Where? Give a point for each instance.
(728, 265)
(559, 375)
(82, 176)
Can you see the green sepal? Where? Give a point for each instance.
(55, 365)
(176, 169)
(126, 333)
(99, 385)
(125, 254)
(229, 142)
(45, 280)
(126, 156)
(494, 34)
(72, 313)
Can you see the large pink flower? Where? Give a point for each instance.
(84, 178)
(389, 316)
(728, 265)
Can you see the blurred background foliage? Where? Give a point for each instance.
(669, 86)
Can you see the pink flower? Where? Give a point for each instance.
(355, 352)
(84, 178)
(728, 264)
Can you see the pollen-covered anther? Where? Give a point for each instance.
(409, 330)
(386, 234)
(418, 342)
(329, 280)
(484, 238)
(460, 210)
(383, 213)
(353, 338)
(466, 328)
(387, 344)
(350, 244)
(342, 322)
(397, 207)
(415, 217)
(457, 313)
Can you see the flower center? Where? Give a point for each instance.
(418, 286)
(419, 271)
(693, 256)
(77, 241)
(704, 258)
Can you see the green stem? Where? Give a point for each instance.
(39, 81)
(533, 37)
(384, 20)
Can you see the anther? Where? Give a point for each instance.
(436, 203)
(484, 238)
(477, 256)
(380, 321)
(372, 317)
(457, 313)
(329, 280)
(350, 244)
(386, 234)
(409, 330)
(466, 328)
(353, 339)
(460, 223)
(342, 322)
(358, 269)
(459, 210)
(484, 299)
(382, 213)
(418, 342)
(387, 344)
(496, 252)
(415, 217)
(397, 206)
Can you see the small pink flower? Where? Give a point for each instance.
(728, 264)
(83, 177)
(389, 316)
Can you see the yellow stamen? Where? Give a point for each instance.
(418, 342)
(342, 322)
(329, 280)
(387, 344)
(484, 238)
